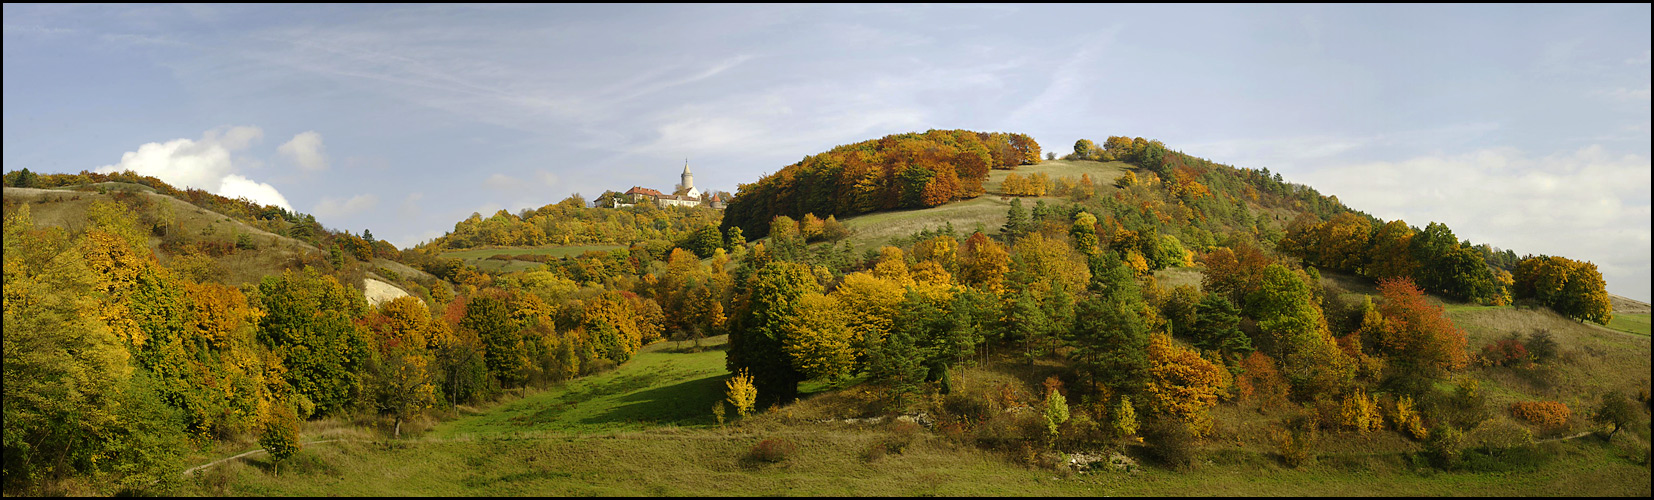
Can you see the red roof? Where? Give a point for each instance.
(643, 190)
(715, 197)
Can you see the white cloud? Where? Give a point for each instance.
(1584, 204)
(1625, 94)
(332, 207)
(206, 164)
(236, 186)
(549, 178)
(306, 150)
(410, 205)
(502, 182)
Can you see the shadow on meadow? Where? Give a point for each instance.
(685, 403)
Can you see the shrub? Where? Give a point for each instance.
(902, 435)
(1548, 415)
(1542, 345)
(1407, 419)
(969, 409)
(1171, 442)
(772, 450)
(244, 241)
(1295, 440)
(1444, 446)
(1507, 352)
(1359, 412)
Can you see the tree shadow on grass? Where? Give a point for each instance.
(684, 403)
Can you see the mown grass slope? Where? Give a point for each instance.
(876, 229)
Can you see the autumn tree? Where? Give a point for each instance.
(281, 434)
(1416, 335)
(1182, 384)
(818, 338)
(1572, 288)
(983, 262)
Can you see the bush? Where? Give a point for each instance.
(1507, 352)
(968, 409)
(1295, 441)
(1542, 345)
(1170, 442)
(1444, 447)
(1407, 418)
(772, 450)
(1548, 415)
(902, 435)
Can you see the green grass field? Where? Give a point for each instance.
(1630, 323)
(658, 386)
(876, 229)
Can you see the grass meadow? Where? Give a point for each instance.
(876, 229)
(645, 428)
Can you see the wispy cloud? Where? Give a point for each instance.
(334, 207)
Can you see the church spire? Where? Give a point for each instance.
(686, 166)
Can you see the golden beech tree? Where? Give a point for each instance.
(819, 339)
(983, 262)
(1183, 384)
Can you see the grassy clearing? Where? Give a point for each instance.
(1630, 323)
(876, 229)
(661, 385)
(1102, 173)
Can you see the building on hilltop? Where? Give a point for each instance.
(688, 195)
(688, 184)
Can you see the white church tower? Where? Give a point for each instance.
(689, 181)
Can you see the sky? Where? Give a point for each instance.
(1522, 126)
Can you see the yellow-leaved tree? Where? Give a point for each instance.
(819, 339)
(1183, 384)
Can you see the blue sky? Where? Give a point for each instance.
(1522, 126)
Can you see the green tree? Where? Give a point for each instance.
(1617, 410)
(309, 324)
(736, 239)
(757, 341)
(898, 363)
(1217, 326)
(1016, 221)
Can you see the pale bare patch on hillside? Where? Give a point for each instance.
(1623, 305)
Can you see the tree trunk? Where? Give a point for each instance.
(398, 432)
